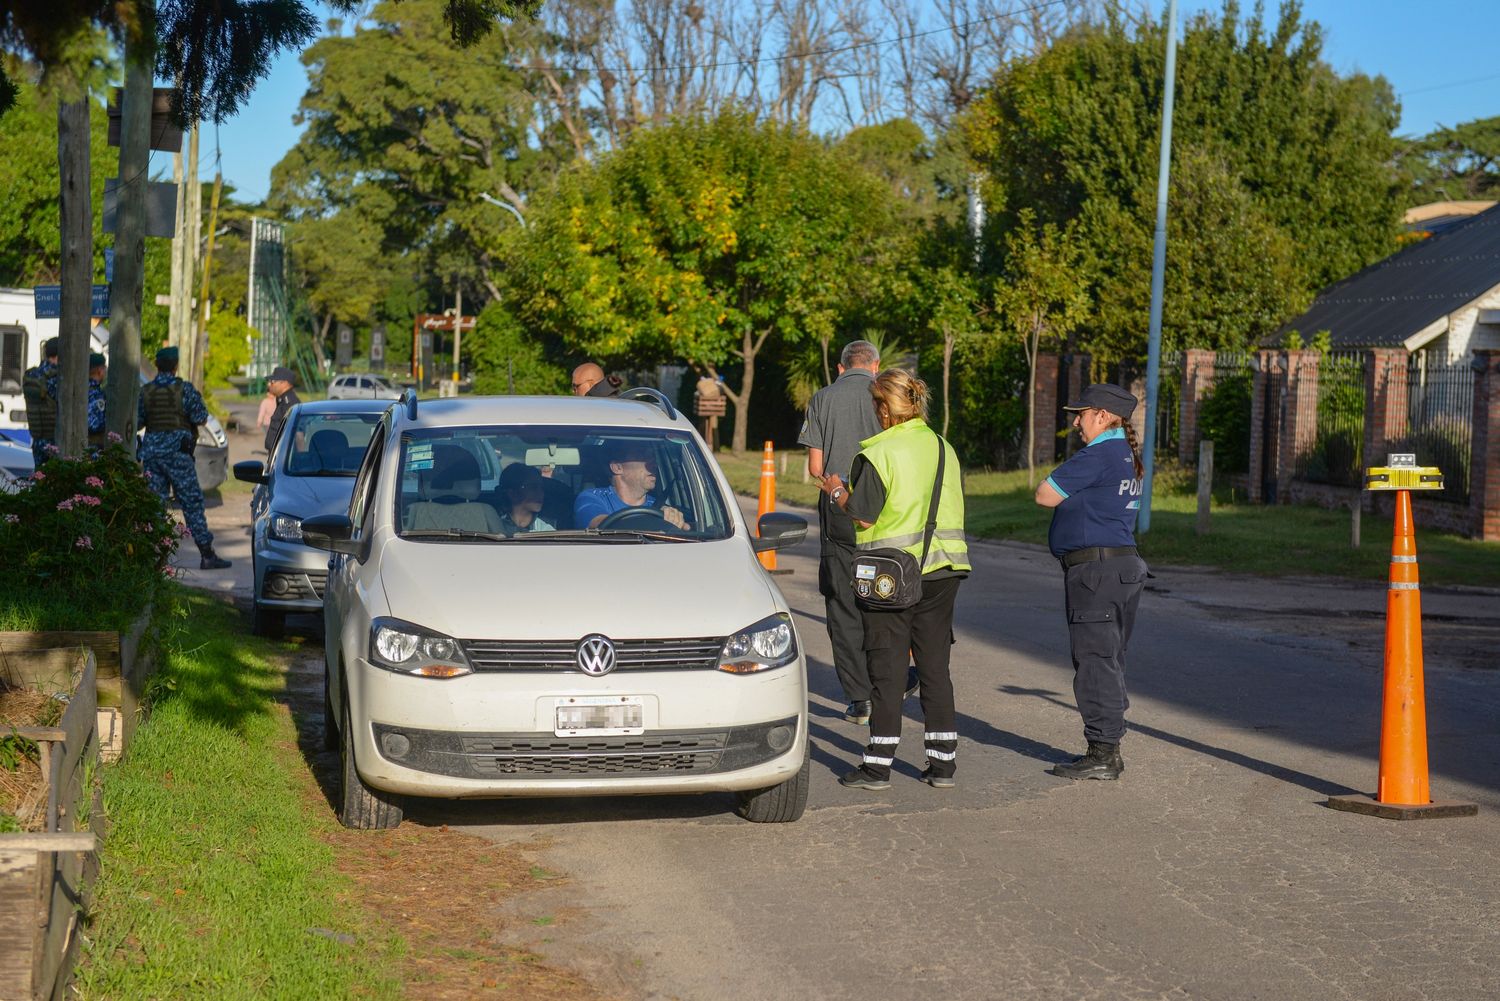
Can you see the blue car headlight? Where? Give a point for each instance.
(284, 527)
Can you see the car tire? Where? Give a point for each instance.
(780, 804)
(330, 718)
(361, 807)
(264, 622)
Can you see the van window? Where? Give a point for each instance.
(12, 358)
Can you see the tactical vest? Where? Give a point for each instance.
(905, 456)
(41, 409)
(164, 407)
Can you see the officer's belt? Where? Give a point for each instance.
(1093, 553)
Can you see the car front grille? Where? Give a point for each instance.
(562, 655)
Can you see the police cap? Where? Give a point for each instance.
(166, 358)
(281, 374)
(96, 360)
(1104, 396)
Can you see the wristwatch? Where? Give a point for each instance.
(837, 493)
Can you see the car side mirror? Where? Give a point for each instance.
(778, 530)
(330, 532)
(250, 471)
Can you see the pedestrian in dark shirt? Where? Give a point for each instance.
(1094, 498)
(589, 380)
(279, 383)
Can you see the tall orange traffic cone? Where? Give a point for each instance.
(767, 498)
(1402, 792)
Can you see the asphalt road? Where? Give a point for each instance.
(1211, 870)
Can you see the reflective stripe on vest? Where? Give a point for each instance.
(41, 409)
(164, 407)
(905, 456)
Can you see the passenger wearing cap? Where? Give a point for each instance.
(38, 388)
(279, 384)
(97, 430)
(632, 469)
(171, 411)
(1094, 498)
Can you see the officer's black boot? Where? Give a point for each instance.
(1101, 761)
(210, 559)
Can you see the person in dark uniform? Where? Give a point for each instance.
(839, 417)
(171, 411)
(279, 384)
(97, 430)
(889, 497)
(37, 388)
(1095, 496)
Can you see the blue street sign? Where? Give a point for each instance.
(48, 302)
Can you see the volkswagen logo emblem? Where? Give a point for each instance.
(596, 655)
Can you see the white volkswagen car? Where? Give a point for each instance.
(555, 596)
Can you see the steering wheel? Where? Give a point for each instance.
(635, 517)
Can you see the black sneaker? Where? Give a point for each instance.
(912, 684)
(938, 781)
(861, 779)
(858, 713)
(210, 560)
(1101, 761)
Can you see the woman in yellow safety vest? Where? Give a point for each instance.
(888, 496)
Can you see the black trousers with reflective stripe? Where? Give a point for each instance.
(1102, 598)
(846, 627)
(923, 632)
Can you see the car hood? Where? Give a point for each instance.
(305, 496)
(542, 591)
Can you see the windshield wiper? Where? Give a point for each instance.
(643, 534)
(454, 533)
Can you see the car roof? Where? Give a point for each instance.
(345, 406)
(555, 410)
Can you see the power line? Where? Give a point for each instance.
(1454, 83)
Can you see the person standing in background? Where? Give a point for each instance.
(267, 408)
(38, 390)
(589, 380)
(97, 429)
(279, 385)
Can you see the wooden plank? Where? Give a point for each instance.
(106, 645)
(55, 964)
(135, 672)
(48, 670)
(78, 721)
(39, 732)
(18, 901)
(42, 841)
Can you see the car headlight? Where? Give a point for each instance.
(767, 644)
(284, 527)
(402, 647)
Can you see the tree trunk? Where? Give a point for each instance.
(77, 243)
(827, 369)
(128, 286)
(948, 340)
(741, 400)
(1033, 343)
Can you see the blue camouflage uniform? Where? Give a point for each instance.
(43, 375)
(163, 456)
(96, 408)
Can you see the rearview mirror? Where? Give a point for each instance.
(778, 530)
(330, 532)
(250, 471)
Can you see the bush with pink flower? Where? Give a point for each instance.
(88, 535)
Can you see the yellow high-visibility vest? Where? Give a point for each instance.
(906, 458)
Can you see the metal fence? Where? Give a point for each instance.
(1224, 412)
(1169, 405)
(1440, 420)
(1335, 385)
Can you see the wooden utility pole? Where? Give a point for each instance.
(128, 284)
(200, 338)
(458, 326)
(185, 252)
(75, 212)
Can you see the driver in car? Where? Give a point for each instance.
(632, 475)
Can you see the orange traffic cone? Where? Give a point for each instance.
(1402, 792)
(767, 498)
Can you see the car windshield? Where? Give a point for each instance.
(329, 444)
(557, 484)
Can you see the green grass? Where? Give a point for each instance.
(1248, 538)
(214, 871)
(23, 607)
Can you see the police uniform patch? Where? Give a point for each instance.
(862, 588)
(885, 586)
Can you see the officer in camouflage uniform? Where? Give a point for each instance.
(39, 390)
(171, 411)
(98, 433)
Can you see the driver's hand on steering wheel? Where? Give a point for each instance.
(675, 518)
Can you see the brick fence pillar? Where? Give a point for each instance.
(1299, 428)
(1045, 442)
(1484, 466)
(1197, 382)
(1385, 401)
(1266, 383)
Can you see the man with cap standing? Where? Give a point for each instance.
(97, 430)
(279, 385)
(39, 390)
(1094, 497)
(171, 411)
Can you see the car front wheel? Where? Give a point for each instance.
(264, 622)
(779, 804)
(360, 806)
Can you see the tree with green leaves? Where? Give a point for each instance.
(1457, 163)
(706, 241)
(1041, 297)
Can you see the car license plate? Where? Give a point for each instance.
(600, 716)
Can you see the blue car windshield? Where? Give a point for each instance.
(557, 484)
(329, 444)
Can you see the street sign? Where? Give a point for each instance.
(377, 346)
(161, 207)
(47, 301)
(343, 353)
(165, 135)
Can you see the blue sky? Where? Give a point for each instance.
(1434, 52)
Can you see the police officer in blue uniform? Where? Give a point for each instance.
(1094, 498)
(171, 411)
(98, 432)
(38, 388)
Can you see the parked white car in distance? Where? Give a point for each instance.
(362, 386)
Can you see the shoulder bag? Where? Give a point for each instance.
(890, 580)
